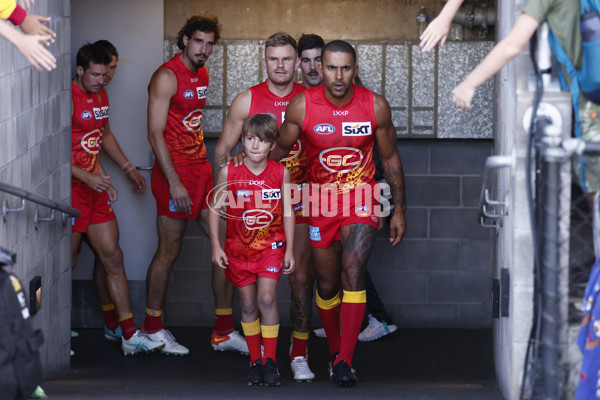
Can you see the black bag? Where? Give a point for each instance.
(20, 364)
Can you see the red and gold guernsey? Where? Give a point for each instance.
(265, 102)
(183, 132)
(90, 116)
(254, 211)
(339, 140)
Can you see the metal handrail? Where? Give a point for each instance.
(499, 208)
(34, 198)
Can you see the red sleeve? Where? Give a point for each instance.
(18, 16)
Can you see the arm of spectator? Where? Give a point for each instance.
(438, 29)
(507, 49)
(33, 25)
(30, 47)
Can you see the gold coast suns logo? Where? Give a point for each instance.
(257, 219)
(92, 141)
(193, 120)
(340, 159)
(294, 152)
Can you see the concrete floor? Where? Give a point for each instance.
(408, 364)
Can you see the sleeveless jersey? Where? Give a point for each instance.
(339, 140)
(90, 116)
(183, 132)
(254, 211)
(265, 102)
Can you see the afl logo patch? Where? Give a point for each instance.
(188, 94)
(324, 129)
(271, 115)
(87, 115)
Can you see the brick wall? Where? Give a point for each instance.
(35, 131)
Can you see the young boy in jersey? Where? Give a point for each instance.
(259, 240)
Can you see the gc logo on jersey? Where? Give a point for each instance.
(188, 94)
(356, 128)
(92, 141)
(271, 115)
(257, 219)
(202, 90)
(340, 159)
(324, 129)
(87, 115)
(294, 152)
(192, 120)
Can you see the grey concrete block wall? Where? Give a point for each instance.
(35, 129)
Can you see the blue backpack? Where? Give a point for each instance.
(588, 78)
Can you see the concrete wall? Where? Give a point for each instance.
(332, 19)
(35, 155)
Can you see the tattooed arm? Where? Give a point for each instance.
(385, 134)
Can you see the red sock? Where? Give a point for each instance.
(269, 339)
(111, 319)
(329, 311)
(299, 342)
(127, 326)
(223, 321)
(153, 322)
(253, 339)
(351, 316)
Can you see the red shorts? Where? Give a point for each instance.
(94, 206)
(352, 208)
(241, 273)
(198, 181)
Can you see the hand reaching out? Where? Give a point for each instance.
(33, 25)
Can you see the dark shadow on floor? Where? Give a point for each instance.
(408, 364)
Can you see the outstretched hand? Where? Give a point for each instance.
(463, 94)
(30, 46)
(436, 32)
(33, 25)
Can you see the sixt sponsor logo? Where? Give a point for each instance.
(193, 120)
(202, 91)
(340, 159)
(242, 193)
(294, 152)
(188, 94)
(271, 194)
(272, 269)
(356, 128)
(87, 115)
(324, 129)
(257, 219)
(277, 245)
(100, 112)
(92, 141)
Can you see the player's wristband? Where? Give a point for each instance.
(18, 16)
